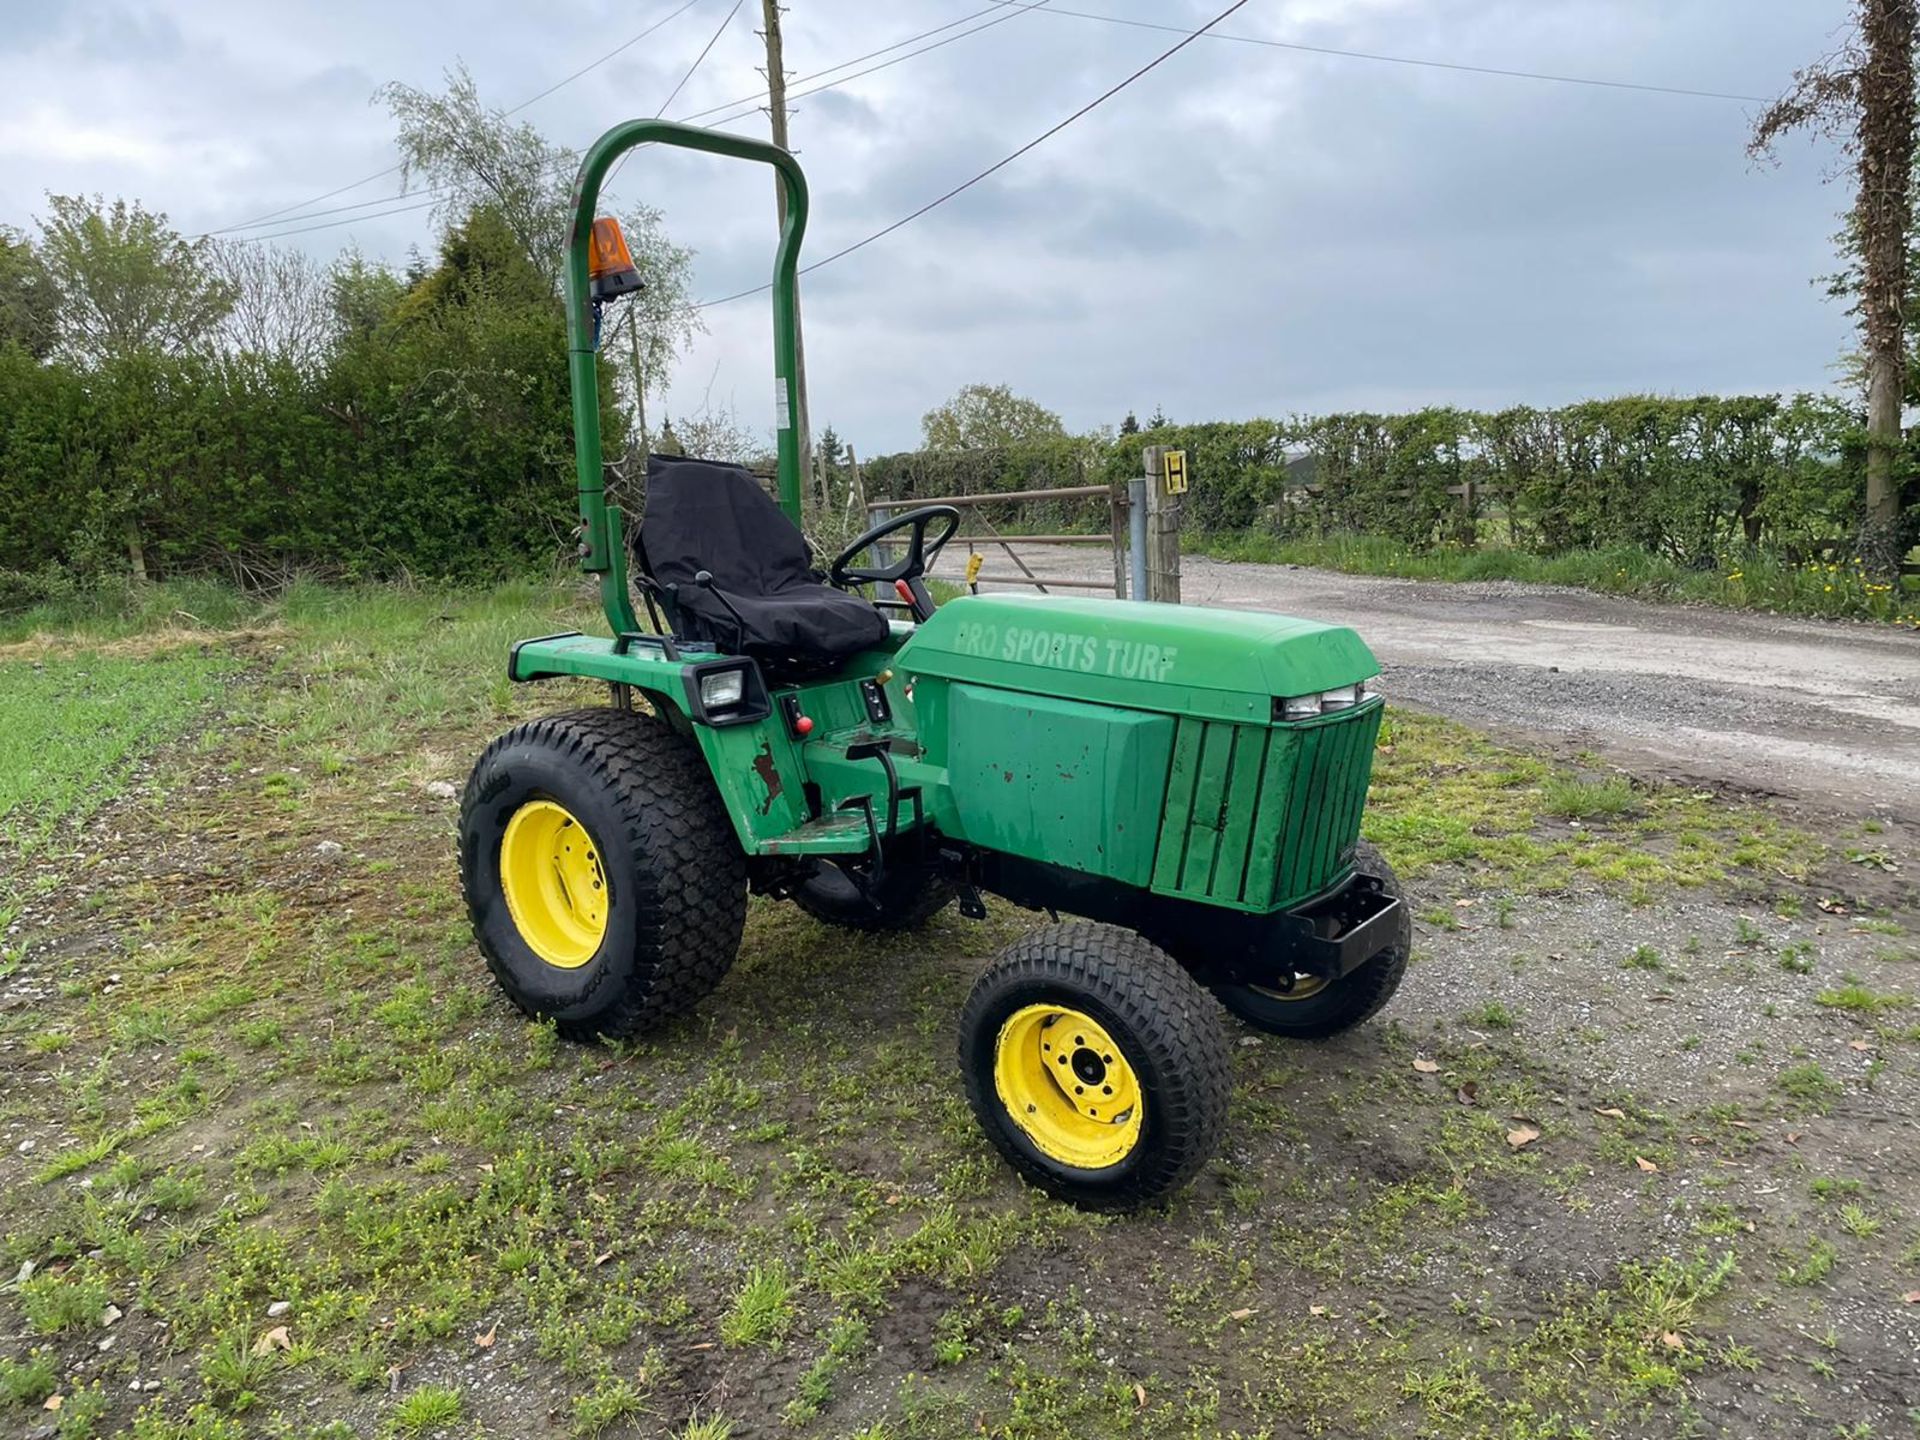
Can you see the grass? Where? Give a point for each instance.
(1572, 798)
(1756, 580)
(1444, 796)
(1810, 1085)
(778, 1212)
(71, 724)
(762, 1310)
(430, 1408)
(1860, 999)
(30, 1380)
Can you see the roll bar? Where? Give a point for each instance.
(601, 550)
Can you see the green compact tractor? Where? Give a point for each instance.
(1191, 781)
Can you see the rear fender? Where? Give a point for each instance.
(754, 764)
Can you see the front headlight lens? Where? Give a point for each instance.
(1325, 702)
(722, 688)
(1343, 697)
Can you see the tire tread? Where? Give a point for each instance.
(1170, 1015)
(691, 879)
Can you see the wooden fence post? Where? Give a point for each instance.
(1163, 531)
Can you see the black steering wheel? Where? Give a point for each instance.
(909, 567)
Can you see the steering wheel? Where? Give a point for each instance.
(911, 566)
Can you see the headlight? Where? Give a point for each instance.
(1343, 697)
(1325, 702)
(722, 688)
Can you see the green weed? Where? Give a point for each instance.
(1576, 799)
(28, 1381)
(56, 1303)
(427, 1409)
(762, 1310)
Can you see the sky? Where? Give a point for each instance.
(1248, 230)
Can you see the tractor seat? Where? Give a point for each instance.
(766, 599)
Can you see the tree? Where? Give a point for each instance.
(128, 284)
(479, 159)
(1862, 95)
(480, 263)
(29, 303)
(982, 416)
(1130, 425)
(362, 296)
(718, 433)
(830, 452)
(281, 303)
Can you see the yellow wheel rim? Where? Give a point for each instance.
(1303, 987)
(1068, 1086)
(555, 885)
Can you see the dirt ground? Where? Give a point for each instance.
(1814, 710)
(1633, 1152)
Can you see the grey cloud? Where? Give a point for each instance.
(1245, 231)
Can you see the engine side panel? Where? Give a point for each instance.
(1076, 785)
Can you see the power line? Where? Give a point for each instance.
(674, 93)
(698, 60)
(998, 8)
(1398, 59)
(285, 210)
(1008, 9)
(995, 7)
(1000, 164)
(336, 224)
(619, 49)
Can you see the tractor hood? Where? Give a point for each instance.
(1222, 664)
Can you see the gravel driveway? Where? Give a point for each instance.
(1824, 712)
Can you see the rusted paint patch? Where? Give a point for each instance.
(769, 774)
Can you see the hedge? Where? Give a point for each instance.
(1688, 478)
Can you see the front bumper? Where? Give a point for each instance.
(1329, 936)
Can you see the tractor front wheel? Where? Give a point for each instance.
(606, 888)
(1096, 1065)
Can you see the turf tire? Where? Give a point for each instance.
(1168, 1027)
(676, 878)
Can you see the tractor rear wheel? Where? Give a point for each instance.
(1096, 1065)
(606, 888)
(907, 898)
(1314, 1008)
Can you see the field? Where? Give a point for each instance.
(1633, 1153)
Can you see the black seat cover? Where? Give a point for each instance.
(705, 515)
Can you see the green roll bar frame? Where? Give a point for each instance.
(602, 551)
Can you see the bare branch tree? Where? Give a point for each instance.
(282, 303)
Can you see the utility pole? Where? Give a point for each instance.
(777, 112)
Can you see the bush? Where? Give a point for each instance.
(1692, 480)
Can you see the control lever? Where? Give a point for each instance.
(704, 579)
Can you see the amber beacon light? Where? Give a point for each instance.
(608, 263)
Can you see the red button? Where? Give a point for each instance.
(803, 726)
